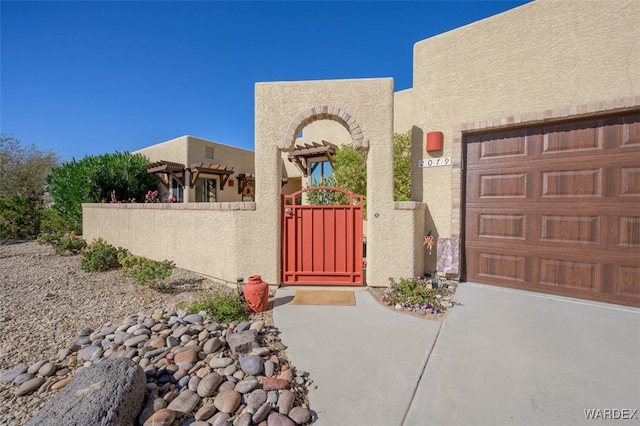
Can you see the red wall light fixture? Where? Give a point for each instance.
(434, 141)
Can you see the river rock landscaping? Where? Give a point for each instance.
(57, 322)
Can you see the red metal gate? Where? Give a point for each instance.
(322, 244)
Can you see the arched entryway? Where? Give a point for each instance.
(325, 112)
(364, 108)
(321, 244)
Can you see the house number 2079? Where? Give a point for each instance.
(435, 162)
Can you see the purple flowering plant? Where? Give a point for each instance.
(152, 197)
(413, 295)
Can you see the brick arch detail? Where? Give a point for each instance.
(325, 112)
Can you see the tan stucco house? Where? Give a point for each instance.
(192, 169)
(536, 185)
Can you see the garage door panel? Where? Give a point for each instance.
(630, 181)
(627, 280)
(500, 266)
(570, 229)
(572, 183)
(574, 274)
(624, 132)
(508, 145)
(511, 185)
(571, 137)
(503, 226)
(629, 232)
(499, 187)
(555, 209)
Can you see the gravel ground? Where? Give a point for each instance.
(45, 299)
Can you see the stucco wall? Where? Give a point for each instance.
(328, 130)
(403, 119)
(172, 150)
(242, 160)
(540, 56)
(370, 103)
(209, 238)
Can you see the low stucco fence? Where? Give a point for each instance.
(226, 241)
(215, 239)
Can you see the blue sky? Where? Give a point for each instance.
(84, 78)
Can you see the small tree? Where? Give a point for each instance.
(94, 178)
(23, 171)
(350, 170)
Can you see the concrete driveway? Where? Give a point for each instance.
(502, 357)
(512, 357)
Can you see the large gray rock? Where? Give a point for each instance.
(109, 393)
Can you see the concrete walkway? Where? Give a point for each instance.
(502, 357)
(366, 360)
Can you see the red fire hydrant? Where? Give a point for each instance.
(256, 293)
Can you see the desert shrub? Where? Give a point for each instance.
(69, 243)
(220, 306)
(101, 256)
(63, 242)
(20, 218)
(49, 238)
(145, 270)
(52, 222)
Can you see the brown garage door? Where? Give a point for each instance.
(556, 209)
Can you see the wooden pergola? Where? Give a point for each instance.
(301, 155)
(162, 170)
(211, 169)
(245, 179)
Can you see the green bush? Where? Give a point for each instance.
(402, 166)
(145, 270)
(52, 222)
(95, 179)
(20, 218)
(69, 243)
(101, 256)
(50, 238)
(221, 307)
(350, 169)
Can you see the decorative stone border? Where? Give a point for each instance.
(617, 105)
(324, 112)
